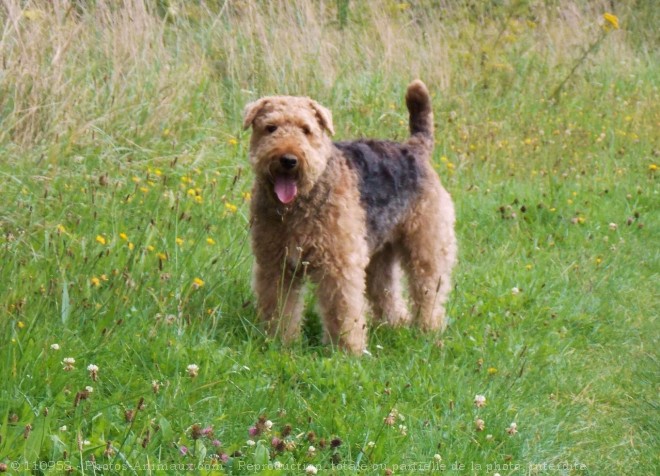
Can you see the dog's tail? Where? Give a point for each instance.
(418, 102)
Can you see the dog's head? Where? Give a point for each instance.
(289, 147)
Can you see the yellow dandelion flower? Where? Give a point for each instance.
(136, 179)
(197, 283)
(247, 196)
(60, 229)
(101, 239)
(162, 256)
(123, 236)
(103, 277)
(21, 324)
(529, 267)
(179, 241)
(492, 370)
(611, 20)
(199, 199)
(131, 246)
(144, 189)
(150, 248)
(232, 141)
(210, 241)
(96, 282)
(158, 172)
(653, 168)
(230, 207)
(191, 192)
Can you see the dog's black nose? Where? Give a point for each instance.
(288, 161)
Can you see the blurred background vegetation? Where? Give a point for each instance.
(73, 71)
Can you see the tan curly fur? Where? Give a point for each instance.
(351, 217)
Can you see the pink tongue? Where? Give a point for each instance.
(285, 188)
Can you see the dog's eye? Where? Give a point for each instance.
(306, 130)
(270, 128)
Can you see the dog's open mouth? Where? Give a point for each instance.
(285, 187)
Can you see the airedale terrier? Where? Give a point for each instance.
(349, 216)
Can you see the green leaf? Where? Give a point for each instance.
(200, 452)
(166, 429)
(261, 454)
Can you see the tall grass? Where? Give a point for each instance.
(134, 67)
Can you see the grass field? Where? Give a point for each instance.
(128, 336)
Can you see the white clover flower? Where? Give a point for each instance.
(68, 363)
(515, 291)
(479, 401)
(479, 424)
(89, 389)
(268, 424)
(613, 226)
(513, 429)
(437, 457)
(311, 469)
(93, 371)
(63, 428)
(55, 346)
(250, 443)
(193, 370)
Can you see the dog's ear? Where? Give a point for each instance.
(252, 110)
(324, 116)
